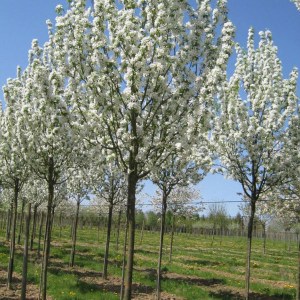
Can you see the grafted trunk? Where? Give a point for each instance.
(249, 245)
(74, 236)
(109, 222)
(13, 235)
(25, 255)
(161, 242)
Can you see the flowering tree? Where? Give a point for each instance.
(262, 213)
(218, 217)
(44, 131)
(36, 193)
(110, 189)
(297, 3)
(78, 191)
(13, 169)
(177, 171)
(6, 202)
(250, 131)
(137, 70)
(182, 204)
(287, 196)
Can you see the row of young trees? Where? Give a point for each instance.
(129, 90)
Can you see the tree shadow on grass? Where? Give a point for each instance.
(3, 281)
(231, 295)
(203, 262)
(61, 271)
(195, 280)
(149, 273)
(111, 286)
(145, 252)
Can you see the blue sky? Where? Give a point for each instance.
(24, 20)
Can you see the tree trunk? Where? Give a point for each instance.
(21, 222)
(47, 239)
(60, 224)
(286, 231)
(264, 238)
(105, 263)
(249, 244)
(132, 181)
(118, 230)
(52, 217)
(33, 232)
(74, 236)
(13, 235)
(172, 238)
(142, 231)
(124, 260)
(98, 228)
(162, 232)
(9, 219)
(40, 234)
(25, 256)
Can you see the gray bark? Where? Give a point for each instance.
(25, 256)
(13, 235)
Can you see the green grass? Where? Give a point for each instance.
(200, 269)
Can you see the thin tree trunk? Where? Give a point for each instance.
(132, 181)
(40, 234)
(33, 232)
(172, 238)
(118, 230)
(124, 260)
(105, 263)
(286, 238)
(72, 230)
(25, 256)
(142, 231)
(52, 217)
(264, 238)
(162, 232)
(21, 222)
(13, 235)
(9, 219)
(60, 224)
(47, 239)
(2, 222)
(249, 244)
(98, 228)
(74, 237)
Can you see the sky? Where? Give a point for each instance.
(21, 21)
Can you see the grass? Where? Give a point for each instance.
(200, 268)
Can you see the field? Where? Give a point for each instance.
(201, 268)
